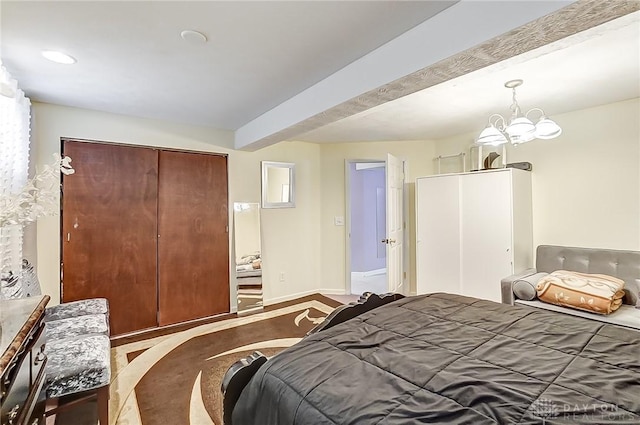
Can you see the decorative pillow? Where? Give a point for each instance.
(596, 293)
(525, 288)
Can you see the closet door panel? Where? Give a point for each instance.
(193, 246)
(109, 231)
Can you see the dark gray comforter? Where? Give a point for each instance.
(448, 359)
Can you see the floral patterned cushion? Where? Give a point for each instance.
(86, 324)
(77, 364)
(595, 293)
(76, 308)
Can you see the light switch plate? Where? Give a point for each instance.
(338, 220)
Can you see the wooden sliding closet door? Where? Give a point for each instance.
(193, 246)
(109, 231)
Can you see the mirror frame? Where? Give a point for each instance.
(266, 165)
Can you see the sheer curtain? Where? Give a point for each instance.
(15, 116)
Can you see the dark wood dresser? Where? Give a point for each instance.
(22, 378)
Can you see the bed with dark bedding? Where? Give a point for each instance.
(448, 359)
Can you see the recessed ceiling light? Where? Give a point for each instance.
(58, 57)
(194, 37)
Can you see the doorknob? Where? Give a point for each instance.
(388, 241)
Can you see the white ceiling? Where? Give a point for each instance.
(263, 54)
(594, 67)
(131, 59)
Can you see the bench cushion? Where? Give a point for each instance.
(77, 364)
(83, 325)
(76, 308)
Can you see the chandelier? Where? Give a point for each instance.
(520, 128)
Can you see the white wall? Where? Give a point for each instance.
(419, 157)
(586, 183)
(290, 244)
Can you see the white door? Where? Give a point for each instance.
(395, 231)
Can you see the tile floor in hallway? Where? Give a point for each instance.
(376, 284)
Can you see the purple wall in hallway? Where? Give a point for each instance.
(365, 232)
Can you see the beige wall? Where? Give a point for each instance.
(419, 161)
(290, 244)
(585, 183)
(586, 186)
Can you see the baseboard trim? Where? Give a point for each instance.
(290, 297)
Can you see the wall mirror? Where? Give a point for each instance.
(278, 184)
(248, 256)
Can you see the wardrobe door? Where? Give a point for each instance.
(486, 228)
(193, 242)
(109, 231)
(438, 234)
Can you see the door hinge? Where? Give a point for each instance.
(226, 229)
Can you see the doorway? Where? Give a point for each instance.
(366, 221)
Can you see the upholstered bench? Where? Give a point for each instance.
(79, 365)
(78, 354)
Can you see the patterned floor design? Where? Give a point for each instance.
(175, 379)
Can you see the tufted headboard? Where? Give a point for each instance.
(624, 265)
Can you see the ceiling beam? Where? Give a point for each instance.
(456, 29)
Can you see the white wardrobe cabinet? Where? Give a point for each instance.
(472, 230)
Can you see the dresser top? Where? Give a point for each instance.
(17, 318)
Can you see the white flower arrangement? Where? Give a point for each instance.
(39, 196)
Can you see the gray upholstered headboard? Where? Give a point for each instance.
(624, 265)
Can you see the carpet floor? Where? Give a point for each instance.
(175, 378)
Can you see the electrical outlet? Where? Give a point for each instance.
(281, 276)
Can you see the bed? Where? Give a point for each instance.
(443, 359)
(249, 265)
